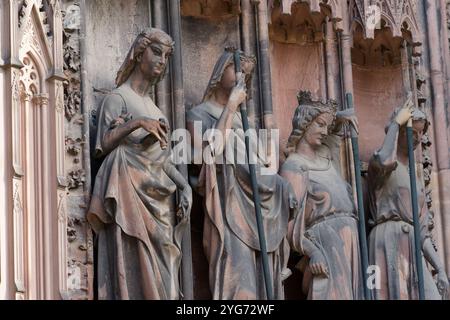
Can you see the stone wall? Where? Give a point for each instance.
(378, 91)
(79, 235)
(302, 72)
(297, 62)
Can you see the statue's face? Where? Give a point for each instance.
(228, 80)
(318, 130)
(154, 60)
(418, 129)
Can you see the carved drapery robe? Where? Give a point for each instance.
(326, 216)
(391, 241)
(230, 236)
(138, 237)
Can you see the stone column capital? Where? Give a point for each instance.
(40, 99)
(25, 96)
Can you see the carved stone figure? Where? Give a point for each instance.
(230, 236)
(391, 241)
(324, 229)
(138, 235)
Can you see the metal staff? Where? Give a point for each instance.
(412, 180)
(361, 213)
(256, 197)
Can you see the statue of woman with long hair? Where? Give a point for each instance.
(138, 234)
(230, 236)
(324, 229)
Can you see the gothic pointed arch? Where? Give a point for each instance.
(37, 136)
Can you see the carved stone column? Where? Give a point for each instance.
(345, 39)
(440, 121)
(332, 62)
(9, 78)
(162, 92)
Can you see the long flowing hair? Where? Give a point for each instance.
(142, 42)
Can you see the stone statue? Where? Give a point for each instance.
(391, 241)
(138, 234)
(324, 229)
(230, 237)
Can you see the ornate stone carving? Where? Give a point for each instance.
(18, 238)
(72, 100)
(74, 146)
(426, 141)
(56, 7)
(42, 6)
(299, 26)
(300, 21)
(72, 225)
(40, 100)
(72, 18)
(379, 29)
(210, 8)
(72, 65)
(59, 105)
(227, 265)
(15, 85)
(316, 6)
(36, 36)
(398, 16)
(137, 177)
(61, 211)
(71, 53)
(314, 173)
(386, 183)
(448, 18)
(76, 179)
(29, 77)
(79, 262)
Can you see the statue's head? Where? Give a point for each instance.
(420, 127)
(224, 75)
(312, 121)
(150, 52)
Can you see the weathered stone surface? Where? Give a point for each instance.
(201, 49)
(200, 52)
(378, 91)
(208, 26)
(302, 72)
(79, 262)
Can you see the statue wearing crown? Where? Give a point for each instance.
(324, 229)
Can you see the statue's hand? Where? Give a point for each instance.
(405, 112)
(238, 94)
(156, 128)
(443, 284)
(185, 205)
(348, 116)
(318, 264)
(123, 118)
(269, 125)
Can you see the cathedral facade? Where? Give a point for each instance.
(58, 62)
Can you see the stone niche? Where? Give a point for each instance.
(297, 58)
(219, 28)
(378, 84)
(111, 27)
(202, 49)
(296, 38)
